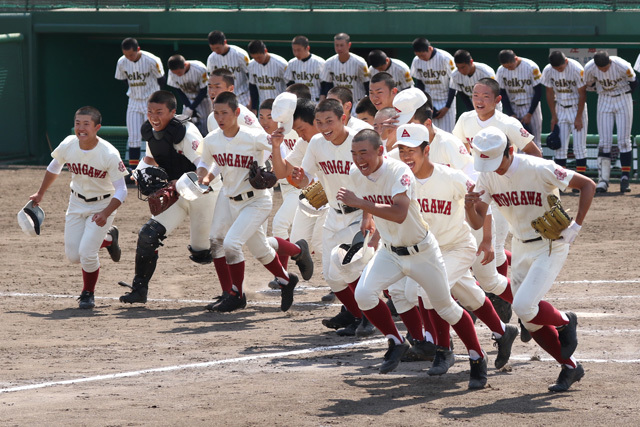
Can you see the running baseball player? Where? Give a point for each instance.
(171, 145)
(97, 190)
(345, 97)
(614, 80)
(266, 74)
(144, 74)
(366, 111)
(520, 185)
(567, 100)
(399, 71)
(234, 149)
(232, 58)
(520, 86)
(382, 90)
(190, 80)
(221, 80)
(385, 189)
(345, 69)
(305, 67)
(432, 69)
(466, 75)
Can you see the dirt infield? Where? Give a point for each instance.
(169, 362)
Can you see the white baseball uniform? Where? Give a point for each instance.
(400, 72)
(565, 85)
(357, 124)
(307, 72)
(268, 78)
(435, 74)
(449, 150)
(465, 84)
(142, 76)
(352, 74)
(235, 60)
(614, 101)
(283, 219)
(246, 118)
(190, 83)
(519, 84)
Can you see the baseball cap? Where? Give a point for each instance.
(488, 149)
(411, 135)
(282, 110)
(30, 219)
(407, 102)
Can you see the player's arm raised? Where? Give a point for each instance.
(396, 212)
(281, 167)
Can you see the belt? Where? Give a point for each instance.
(93, 199)
(404, 250)
(521, 105)
(346, 210)
(567, 106)
(242, 196)
(537, 239)
(620, 94)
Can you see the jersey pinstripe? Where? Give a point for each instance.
(351, 74)
(307, 72)
(190, 83)
(434, 73)
(400, 72)
(565, 84)
(465, 84)
(519, 83)
(612, 82)
(269, 77)
(235, 60)
(141, 75)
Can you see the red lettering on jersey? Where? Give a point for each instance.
(538, 199)
(237, 161)
(434, 206)
(323, 165)
(531, 197)
(339, 167)
(447, 209)
(245, 162)
(560, 173)
(514, 198)
(84, 169)
(441, 205)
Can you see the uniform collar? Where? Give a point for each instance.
(375, 176)
(514, 166)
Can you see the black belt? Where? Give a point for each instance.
(93, 199)
(346, 210)
(620, 94)
(403, 250)
(521, 105)
(238, 198)
(566, 106)
(532, 240)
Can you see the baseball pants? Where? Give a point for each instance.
(616, 110)
(448, 122)
(308, 226)
(566, 120)
(136, 116)
(487, 275)
(283, 219)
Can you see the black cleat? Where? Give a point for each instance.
(303, 260)
(86, 300)
(330, 297)
(138, 294)
(567, 377)
(393, 355)
(420, 351)
(525, 335)
(114, 248)
(503, 308)
(274, 284)
(287, 292)
(443, 360)
(504, 345)
(365, 328)
(568, 336)
(217, 301)
(478, 375)
(350, 329)
(392, 307)
(340, 320)
(232, 303)
(624, 185)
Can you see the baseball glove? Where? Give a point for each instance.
(163, 198)
(556, 219)
(315, 194)
(261, 178)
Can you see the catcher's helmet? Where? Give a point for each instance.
(30, 219)
(553, 140)
(150, 180)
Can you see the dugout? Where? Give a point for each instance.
(55, 61)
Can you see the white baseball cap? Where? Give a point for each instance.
(282, 110)
(488, 149)
(411, 135)
(30, 219)
(407, 102)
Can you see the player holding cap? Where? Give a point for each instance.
(266, 74)
(232, 58)
(144, 74)
(398, 70)
(305, 67)
(466, 75)
(190, 80)
(97, 190)
(520, 185)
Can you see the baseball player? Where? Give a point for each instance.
(234, 148)
(385, 190)
(366, 111)
(266, 74)
(345, 69)
(144, 75)
(345, 97)
(97, 190)
(614, 80)
(382, 90)
(300, 90)
(432, 68)
(234, 59)
(172, 145)
(190, 80)
(466, 75)
(520, 86)
(520, 185)
(399, 71)
(567, 100)
(305, 67)
(221, 80)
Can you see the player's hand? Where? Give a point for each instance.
(37, 198)
(486, 248)
(526, 119)
(348, 197)
(472, 197)
(100, 219)
(570, 233)
(578, 123)
(375, 240)
(441, 113)
(369, 226)
(391, 123)
(277, 137)
(298, 177)
(554, 122)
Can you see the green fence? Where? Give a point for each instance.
(13, 107)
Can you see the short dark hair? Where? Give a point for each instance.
(366, 106)
(226, 75)
(506, 56)
(228, 98)
(370, 136)
(424, 112)
(267, 104)
(176, 62)
(163, 97)
(305, 110)
(557, 58)
(301, 41)
(332, 105)
(506, 149)
(257, 46)
(493, 85)
(462, 57)
(129, 43)
(96, 117)
(377, 58)
(342, 36)
(344, 94)
(216, 37)
(384, 77)
(300, 90)
(421, 45)
(601, 58)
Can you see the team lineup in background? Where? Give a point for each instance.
(407, 201)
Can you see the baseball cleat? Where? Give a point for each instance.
(232, 303)
(624, 185)
(330, 297)
(217, 301)
(504, 344)
(392, 307)
(602, 187)
(350, 329)
(525, 335)
(503, 308)
(274, 284)
(443, 360)
(365, 328)
(86, 300)
(303, 260)
(568, 336)
(567, 377)
(340, 320)
(478, 374)
(114, 248)
(420, 351)
(138, 294)
(287, 292)
(393, 355)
